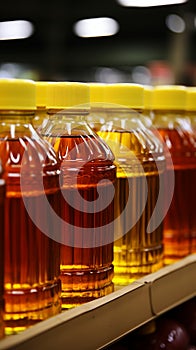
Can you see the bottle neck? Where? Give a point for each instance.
(15, 124)
(16, 116)
(41, 109)
(170, 119)
(115, 110)
(147, 112)
(191, 115)
(71, 113)
(172, 114)
(66, 122)
(111, 119)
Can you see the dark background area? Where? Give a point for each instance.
(144, 48)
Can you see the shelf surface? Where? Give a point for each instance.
(98, 323)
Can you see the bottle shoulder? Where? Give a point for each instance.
(130, 130)
(178, 138)
(30, 154)
(80, 147)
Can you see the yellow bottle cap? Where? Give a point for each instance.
(17, 94)
(148, 97)
(97, 92)
(169, 97)
(64, 95)
(41, 88)
(128, 95)
(191, 99)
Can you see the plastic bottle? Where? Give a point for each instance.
(41, 113)
(31, 171)
(2, 208)
(169, 104)
(88, 172)
(191, 106)
(191, 114)
(116, 112)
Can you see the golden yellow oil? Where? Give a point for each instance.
(136, 252)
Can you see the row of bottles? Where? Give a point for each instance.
(57, 251)
(89, 181)
(166, 119)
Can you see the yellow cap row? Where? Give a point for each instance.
(66, 94)
(163, 97)
(18, 94)
(27, 94)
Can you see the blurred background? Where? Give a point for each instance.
(140, 41)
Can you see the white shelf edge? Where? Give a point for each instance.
(100, 322)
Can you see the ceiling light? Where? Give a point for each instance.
(149, 3)
(96, 27)
(175, 23)
(10, 30)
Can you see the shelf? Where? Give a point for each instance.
(100, 322)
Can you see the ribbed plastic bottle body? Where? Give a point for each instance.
(88, 172)
(2, 209)
(180, 221)
(32, 258)
(139, 158)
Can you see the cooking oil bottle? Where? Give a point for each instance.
(116, 112)
(169, 103)
(41, 115)
(2, 209)
(191, 106)
(191, 113)
(88, 176)
(31, 172)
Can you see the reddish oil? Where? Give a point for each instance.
(32, 283)
(180, 221)
(86, 267)
(2, 208)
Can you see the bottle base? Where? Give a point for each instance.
(73, 299)
(28, 306)
(124, 275)
(193, 245)
(132, 264)
(172, 259)
(177, 245)
(81, 286)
